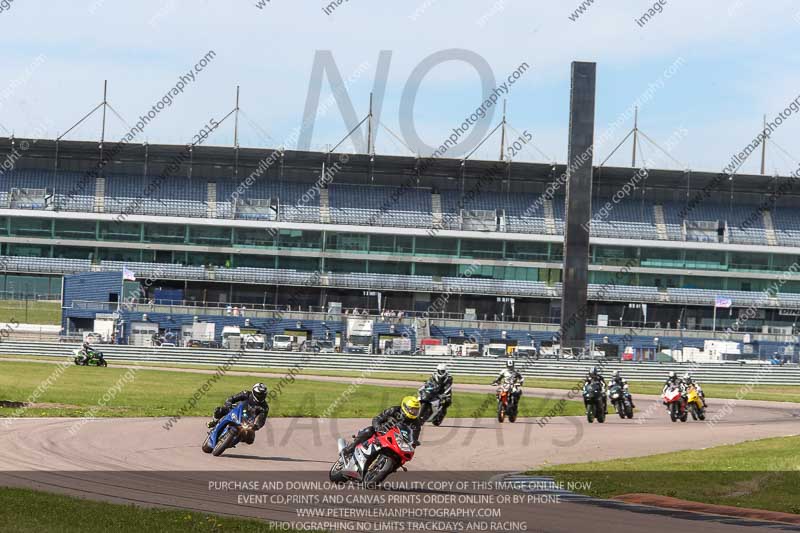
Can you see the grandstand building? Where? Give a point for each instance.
(474, 241)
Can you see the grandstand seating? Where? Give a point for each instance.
(390, 206)
(397, 282)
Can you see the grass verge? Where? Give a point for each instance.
(66, 514)
(80, 391)
(774, 393)
(759, 474)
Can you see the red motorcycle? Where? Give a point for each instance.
(372, 461)
(676, 404)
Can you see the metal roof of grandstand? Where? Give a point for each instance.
(212, 161)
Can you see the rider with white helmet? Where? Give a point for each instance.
(511, 375)
(442, 382)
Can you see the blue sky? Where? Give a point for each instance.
(737, 61)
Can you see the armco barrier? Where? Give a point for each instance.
(545, 368)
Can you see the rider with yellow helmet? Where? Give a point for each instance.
(406, 413)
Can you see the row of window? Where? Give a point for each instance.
(386, 244)
(310, 264)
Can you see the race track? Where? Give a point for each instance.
(137, 460)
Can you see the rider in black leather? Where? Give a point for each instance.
(406, 413)
(257, 406)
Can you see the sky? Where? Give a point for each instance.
(703, 73)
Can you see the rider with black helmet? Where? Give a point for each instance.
(257, 406)
(616, 378)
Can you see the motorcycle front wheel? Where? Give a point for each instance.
(335, 475)
(620, 407)
(673, 412)
(501, 413)
(223, 443)
(601, 412)
(206, 447)
(439, 418)
(379, 469)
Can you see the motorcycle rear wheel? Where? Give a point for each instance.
(223, 444)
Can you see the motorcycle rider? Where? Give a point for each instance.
(595, 375)
(617, 379)
(88, 351)
(406, 413)
(442, 384)
(257, 406)
(673, 381)
(689, 380)
(513, 377)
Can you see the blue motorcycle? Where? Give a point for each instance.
(233, 428)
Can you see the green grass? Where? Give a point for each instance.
(27, 511)
(30, 312)
(775, 393)
(163, 393)
(760, 474)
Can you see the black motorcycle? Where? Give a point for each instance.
(621, 400)
(432, 407)
(595, 402)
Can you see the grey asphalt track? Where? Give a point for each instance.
(137, 460)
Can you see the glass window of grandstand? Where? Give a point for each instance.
(556, 252)
(435, 246)
(73, 252)
(31, 227)
(119, 254)
(76, 229)
(696, 282)
(530, 251)
(614, 255)
(479, 249)
(306, 264)
(435, 270)
(784, 263)
(659, 281)
(389, 267)
(706, 259)
(614, 278)
(255, 261)
(662, 257)
(120, 231)
(404, 244)
(345, 266)
(207, 259)
(498, 272)
(211, 235)
(32, 287)
(28, 250)
(295, 238)
(347, 242)
(4, 225)
(257, 238)
(382, 244)
(166, 233)
(749, 261)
